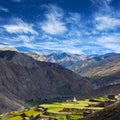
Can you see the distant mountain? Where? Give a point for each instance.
(103, 71)
(23, 79)
(64, 59)
(4, 48)
(98, 66)
(70, 60)
(111, 112)
(38, 57)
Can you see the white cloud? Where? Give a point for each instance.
(30, 42)
(108, 39)
(25, 38)
(109, 42)
(18, 26)
(74, 18)
(81, 36)
(4, 9)
(113, 47)
(53, 24)
(107, 23)
(46, 37)
(103, 5)
(54, 46)
(106, 18)
(18, 41)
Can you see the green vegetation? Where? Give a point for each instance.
(100, 99)
(58, 110)
(45, 101)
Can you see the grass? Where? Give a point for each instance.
(59, 110)
(81, 104)
(31, 112)
(61, 118)
(15, 118)
(100, 99)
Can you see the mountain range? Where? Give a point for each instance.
(64, 59)
(30, 77)
(23, 79)
(98, 66)
(101, 70)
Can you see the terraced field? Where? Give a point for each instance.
(57, 110)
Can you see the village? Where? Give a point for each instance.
(110, 100)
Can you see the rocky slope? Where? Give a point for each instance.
(105, 90)
(98, 66)
(64, 59)
(111, 112)
(101, 72)
(24, 79)
(37, 57)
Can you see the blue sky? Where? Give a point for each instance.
(73, 26)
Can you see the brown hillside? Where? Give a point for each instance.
(23, 78)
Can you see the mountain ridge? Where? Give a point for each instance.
(93, 67)
(25, 79)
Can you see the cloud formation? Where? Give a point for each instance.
(18, 26)
(65, 31)
(53, 24)
(107, 23)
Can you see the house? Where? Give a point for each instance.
(113, 97)
(74, 100)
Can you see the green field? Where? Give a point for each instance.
(58, 110)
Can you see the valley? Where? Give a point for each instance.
(72, 110)
(33, 88)
(59, 59)
(23, 79)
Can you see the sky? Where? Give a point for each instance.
(71, 26)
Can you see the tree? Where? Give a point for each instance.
(68, 117)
